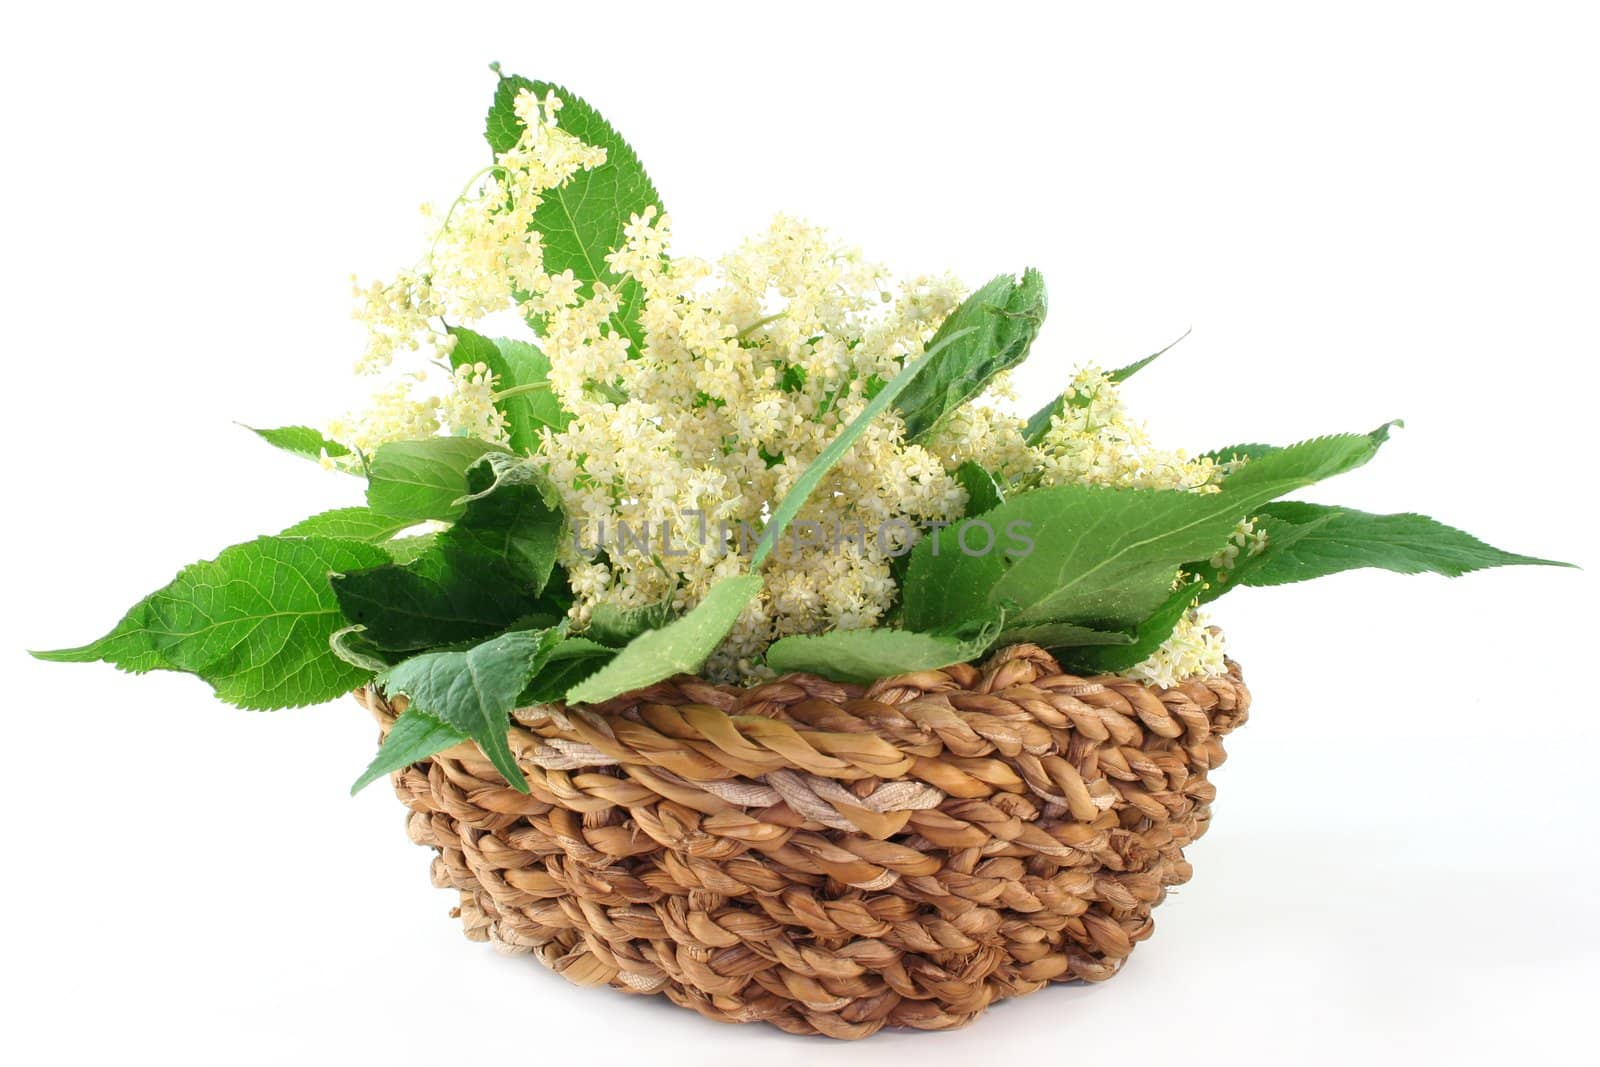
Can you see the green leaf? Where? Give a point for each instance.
(812, 476)
(1235, 453)
(1104, 658)
(1067, 635)
(414, 737)
(983, 492)
(423, 479)
(254, 623)
(1122, 374)
(355, 524)
(582, 222)
(1039, 422)
(513, 514)
(615, 627)
(1103, 558)
(130, 646)
(680, 647)
(408, 549)
(472, 692)
(569, 663)
(989, 333)
(866, 655)
(302, 441)
(483, 574)
(1313, 540)
(522, 385)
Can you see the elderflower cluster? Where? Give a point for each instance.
(1195, 649)
(745, 370)
(1094, 442)
(700, 391)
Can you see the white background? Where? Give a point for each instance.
(1371, 211)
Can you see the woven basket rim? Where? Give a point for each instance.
(848, 756)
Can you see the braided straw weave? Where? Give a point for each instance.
(828, 860)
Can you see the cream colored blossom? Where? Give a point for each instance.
(1095, 442)
(691, 421)
(1195, 649)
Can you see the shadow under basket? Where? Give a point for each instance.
(826, 858)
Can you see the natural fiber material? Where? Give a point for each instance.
(829, 860)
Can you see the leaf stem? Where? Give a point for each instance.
(518, 390)
(756, 325)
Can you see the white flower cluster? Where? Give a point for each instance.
(1195, 649)
(749, 368)
(688, 428)
(1094, 442)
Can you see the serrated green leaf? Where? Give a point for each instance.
(1235, 453)
(406, 549)
(414, 737)
(864, 656)
(484, 573)
(835, 450)
(254, 623)
(354, 524)
(569, 663)
(989, 333)
(680, 647)
(513, 514)
(581, 222)
(472, 692)
(303, 441)
(1122, 374)
(522, 385)
(1093, 657)
(1038, 423)
(1067, 635)
(1307, 541)
(1104, 558)
(983, 492)
(424, 479)
(615, 627)
(130, 646)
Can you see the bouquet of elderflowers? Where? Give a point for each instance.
(782, 461)
(729, 637)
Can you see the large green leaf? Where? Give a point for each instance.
(469, 693)
(424, 479)
(522, 385)
(1104, 657)
(485, 573)
(301, 440)
(1313, 540)
(1103, 558)
(569, 663)
(867, 655)
(614, 627)
(254, 623)
(512, 514)
(414, 737)
(989, 333)
(583, 221)
(680, 647)
(355, 524)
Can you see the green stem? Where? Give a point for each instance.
(444, 224)
(518, 390)
(756, 325)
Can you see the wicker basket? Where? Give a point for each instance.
(828, 860)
